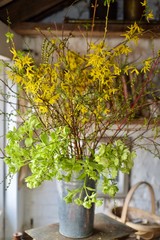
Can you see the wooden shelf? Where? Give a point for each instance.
(81, 27)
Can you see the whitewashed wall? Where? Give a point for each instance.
(4, 46)
(10, 201)
(40, 205)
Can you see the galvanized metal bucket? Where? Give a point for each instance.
(74, 221)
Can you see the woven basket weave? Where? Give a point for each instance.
(146, 224)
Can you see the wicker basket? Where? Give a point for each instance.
(146, 224)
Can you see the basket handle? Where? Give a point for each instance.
(129, 195)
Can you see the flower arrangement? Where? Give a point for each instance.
(74, 100)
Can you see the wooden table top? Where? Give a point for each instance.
(104, 228)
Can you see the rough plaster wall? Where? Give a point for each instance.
(40, 205)
(4, 49)
(146, 168)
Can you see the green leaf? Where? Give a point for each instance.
(9, 37)
(90, 189)
(44, 138)
(113, 190)
(78, 201)
(82, 176)
(87, 204)
(99, 202)
(107, 2)
(68, 198)
(28, 142)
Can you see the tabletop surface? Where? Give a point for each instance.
(105, 227)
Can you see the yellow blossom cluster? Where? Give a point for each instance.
(75, 89)
(72, 87)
